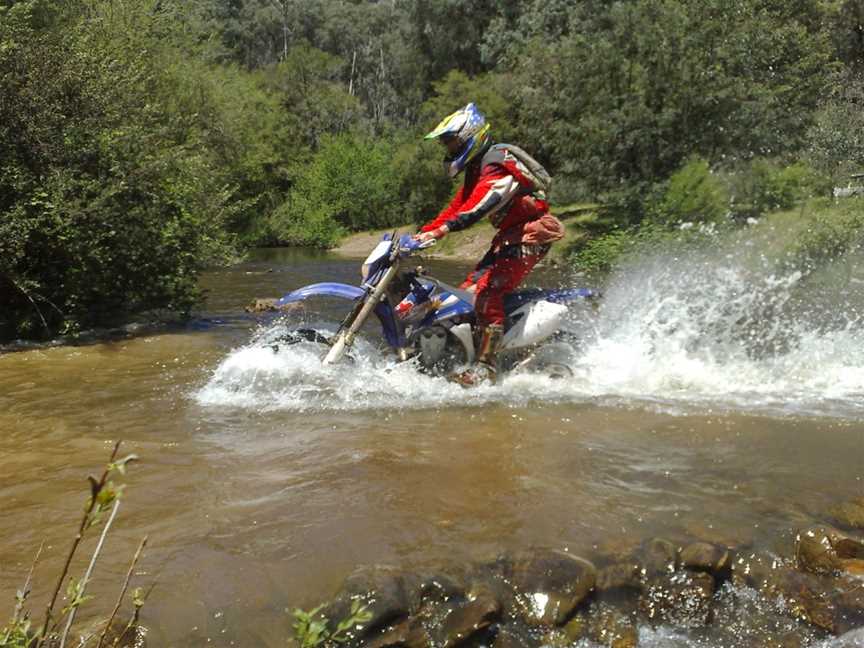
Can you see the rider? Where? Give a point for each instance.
(496, 185)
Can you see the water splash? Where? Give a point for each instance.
(678, 330)
(722, 329)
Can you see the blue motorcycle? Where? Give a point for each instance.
(433, 322)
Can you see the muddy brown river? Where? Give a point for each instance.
(265, 478)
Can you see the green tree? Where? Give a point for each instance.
(348, 186)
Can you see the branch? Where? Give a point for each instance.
(80, 594)
(25, 591)
(122, 592)
(95, 487)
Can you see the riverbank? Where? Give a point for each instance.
(471, 244)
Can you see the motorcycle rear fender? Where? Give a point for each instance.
(345, 291)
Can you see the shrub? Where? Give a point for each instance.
(348, 186)
(832, 231)
(109, 204)
(693, 194)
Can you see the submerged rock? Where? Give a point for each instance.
(852, 639)
(848, 607)
(707, 557)
(408, 634)
(608, 626)
(849, 514)
(383, 592)
(434, 590)
(618, 577)
(681, 599)
(549, 585)
(466, 619)
(823, 550)
(659, 556)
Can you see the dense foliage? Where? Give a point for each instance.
(143, 139)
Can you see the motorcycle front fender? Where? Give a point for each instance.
(345, 291)
(328, 289)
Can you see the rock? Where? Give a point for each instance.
(853, 567)
(408, 634)
(433, 590)
(822, 549)
(617, 548)
(852, 639)
(268, 305)
(510, 636)
(754, 569)
(659, 556)
(711, 558)
(806, 597)
(609, 627)
(384, 593)
(619, 576)
(576, 628)
(789, 640)
(848, 607)
(549, 585)
(849, 514)
(469, 618)
(680, 599)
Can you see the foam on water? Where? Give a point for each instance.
(697, 329)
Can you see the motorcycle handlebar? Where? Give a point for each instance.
(409, 245)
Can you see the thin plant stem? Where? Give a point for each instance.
(134, 618)
(25, 591)
(122, 592)
(89, 571)
(95, 488)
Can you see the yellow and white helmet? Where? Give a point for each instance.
(469, 126)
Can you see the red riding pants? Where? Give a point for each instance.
(498, 274)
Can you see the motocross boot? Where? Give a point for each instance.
(486, 369)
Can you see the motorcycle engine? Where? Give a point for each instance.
(433, 340)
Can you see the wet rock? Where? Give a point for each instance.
(576, 628)
(707, 557)
(468, 618)
(732, 537)
(789, 640)
(408, 634)
(382, 591)
(618, 548)
(610, 627)
(852, 639)
(850, 514)
(680, 599)
(805, 596)
(659, 556)
(550, 585)
(511, 636)
(434, 590)
(822, 550)
(853, 567)
(268, 305)
(848, 607)
(620, 576)
(755, 569)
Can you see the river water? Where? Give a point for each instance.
(706, 402)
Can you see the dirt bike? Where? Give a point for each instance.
(428, 320)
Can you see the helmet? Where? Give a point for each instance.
(469, 126)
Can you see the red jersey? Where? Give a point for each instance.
(495, 187)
